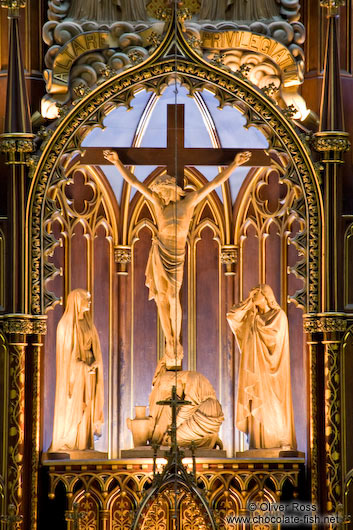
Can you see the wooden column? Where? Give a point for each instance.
(331, 142)
(324, 339)
(24, 335)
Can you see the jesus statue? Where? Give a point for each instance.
(173, 210)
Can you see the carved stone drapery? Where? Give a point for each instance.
(213, 9)
(253, 10)
(107, 10)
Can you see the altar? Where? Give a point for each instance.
(172, 356)
(116, 488)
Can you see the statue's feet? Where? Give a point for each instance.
(174, 357)
(180, 352)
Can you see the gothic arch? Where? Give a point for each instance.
(289, 154)
(196, 74)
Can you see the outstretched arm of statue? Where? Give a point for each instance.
(198, 195)
(113, 158)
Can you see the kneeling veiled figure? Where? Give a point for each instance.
(79, 396)
(198, 422)
(264, 404)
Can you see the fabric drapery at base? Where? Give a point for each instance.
(198, 422)
(264, 404)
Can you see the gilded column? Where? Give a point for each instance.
(104, 516)
(14, 479)
(24, 335)
(16, 142)
(326, 332)
(331, 142)
(35, 353)
(313, 342)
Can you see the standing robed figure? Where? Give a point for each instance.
(264, 404)
(79, 395)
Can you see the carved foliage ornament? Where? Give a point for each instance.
(325, 324)
(333, 424)
(13, 4)
(16, 144)
(122, 255)
(229, 255)
(16, 424)
(23, 325)
(332, 3)
(338, 142)
(207, 9)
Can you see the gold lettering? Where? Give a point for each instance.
(103, 40)
(91, 41)
(273, 46)
(244, 40)
(231, 39)
(254, 42)
(287, 61)
(281, 57)
(68, 51)
(61, 77)
(77, 47)
(265, 46)
(64, 64)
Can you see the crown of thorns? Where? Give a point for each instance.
(164, 180)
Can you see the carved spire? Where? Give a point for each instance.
(17, 116)
(331, 112)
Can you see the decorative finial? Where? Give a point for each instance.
(75, 516)
(12, 520)
(332, 6)
(13, 6)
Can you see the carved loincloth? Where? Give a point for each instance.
(165, 265)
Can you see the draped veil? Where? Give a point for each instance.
(79, 394)
(264, 404)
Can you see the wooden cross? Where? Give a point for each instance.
(12, 519)
(175, 156)
(174, 402)
(75, 516)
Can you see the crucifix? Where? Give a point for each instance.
(174, 402)
(175, 156)
(11, 520)
(75, 516)
(174, 209)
